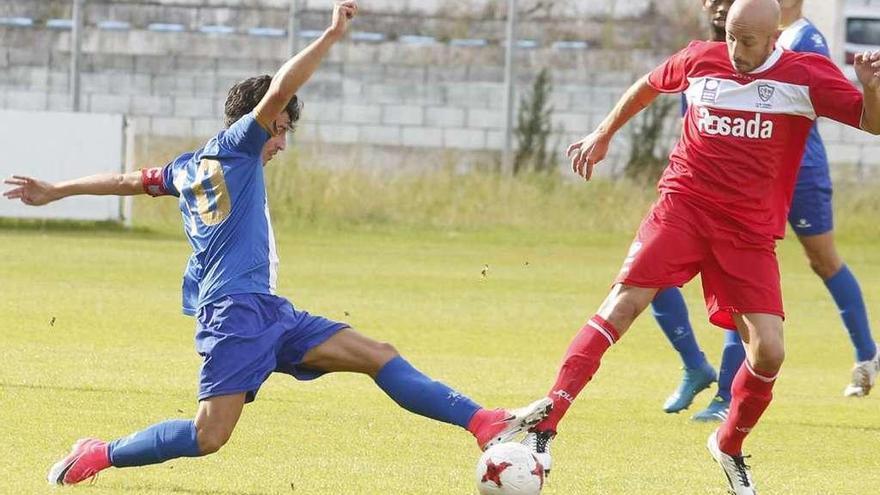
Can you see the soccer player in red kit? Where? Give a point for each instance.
(723, 204)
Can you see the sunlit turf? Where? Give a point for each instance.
(93, 343)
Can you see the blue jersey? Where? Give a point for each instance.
(802, 36)
(222, 197)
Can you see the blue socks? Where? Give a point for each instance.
(732, 358)
(158, 443)
(672, 316)
(417, 393)
(847, 295)
(671, 313)
(409, 387)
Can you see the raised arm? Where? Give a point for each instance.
(296, 71)
(589, 151)
(867, 66)
(36, 192)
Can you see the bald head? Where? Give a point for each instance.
(759, 15)
(752, 31)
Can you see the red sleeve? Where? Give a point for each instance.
(153, 181)
(832, 94)
(671, 75)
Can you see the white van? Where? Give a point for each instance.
(862, 28)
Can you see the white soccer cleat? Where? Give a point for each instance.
(864, 376)
(738, 476)
(539, 443)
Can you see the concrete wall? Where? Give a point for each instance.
(828, 17)
(444, 19)
(385, 94)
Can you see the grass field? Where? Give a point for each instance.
(93, 344)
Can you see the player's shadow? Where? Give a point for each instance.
(832, 426)
(171, 489)
(85, 229)
(98, 390)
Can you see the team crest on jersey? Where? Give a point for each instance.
(710, 91)
(766, 92)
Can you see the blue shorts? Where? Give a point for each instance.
(811, 210)
(243, 338)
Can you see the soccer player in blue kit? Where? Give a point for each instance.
(811, 218)
(244, 331)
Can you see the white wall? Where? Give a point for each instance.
(56, 146)
(828, 17)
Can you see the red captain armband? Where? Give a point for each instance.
(153, 182)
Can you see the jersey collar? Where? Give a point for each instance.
(770, 62)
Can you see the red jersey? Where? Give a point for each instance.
(744, 134)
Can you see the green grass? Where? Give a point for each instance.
(93, 344)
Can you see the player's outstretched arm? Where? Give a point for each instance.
(35, 192)
(589, 151)
(867, 66)
(293, 74)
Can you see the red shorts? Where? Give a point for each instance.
(678, 240)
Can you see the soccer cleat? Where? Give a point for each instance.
(693, 382)
(864, 375)
(505, 424)
(87, 457)
(716, 412)
(738, 474)
(539, 443)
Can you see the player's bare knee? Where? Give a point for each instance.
(211, 441)
(382, 353)
(769, 356)
(824, 260)
(825, 267)
(387, 350)
(211, 438)
(624, 310)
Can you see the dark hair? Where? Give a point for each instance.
(244, 96)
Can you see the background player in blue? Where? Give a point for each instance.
(811, 219)
(244, 332)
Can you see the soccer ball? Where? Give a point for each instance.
(509, 469)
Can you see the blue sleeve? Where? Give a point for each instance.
(172, 170)
(812, 41)
(684, 105)
(168, 180)
(245, 136)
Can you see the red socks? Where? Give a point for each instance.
(752, 392)
(580, 363)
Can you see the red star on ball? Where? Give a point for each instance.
(493, 471)
(539, 471)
